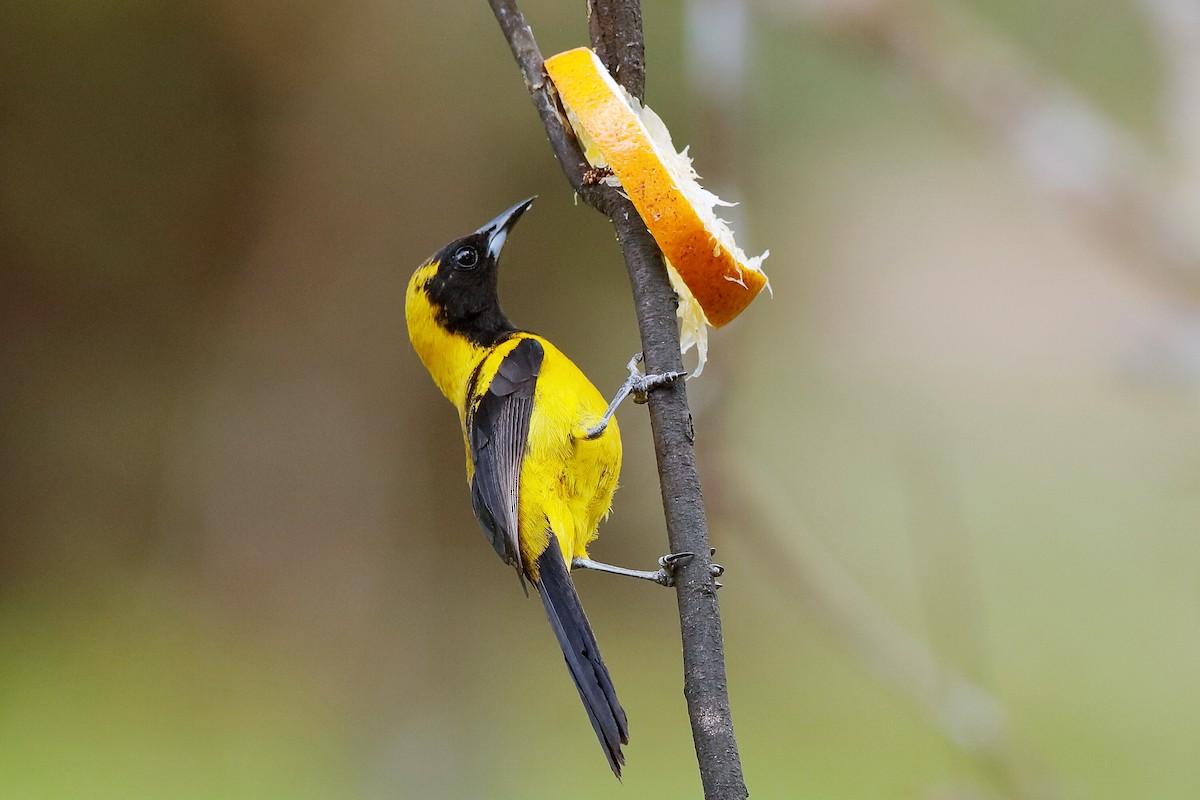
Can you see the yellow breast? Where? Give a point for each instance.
(450, 359)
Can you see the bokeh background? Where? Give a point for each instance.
(952, 464)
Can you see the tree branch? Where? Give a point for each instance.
(533, 69)
(617, 37)
(616, 31)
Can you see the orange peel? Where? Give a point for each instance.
(714, 279)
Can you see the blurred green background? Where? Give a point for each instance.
(952, 464)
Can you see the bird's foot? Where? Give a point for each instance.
(667, 566)
(637, 384)
(671, 561)
(663, 576)
(641, 384)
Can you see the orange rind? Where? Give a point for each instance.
(714, 279)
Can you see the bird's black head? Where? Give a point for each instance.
(462, 285)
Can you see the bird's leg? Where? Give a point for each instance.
(663, 576)
(637, 384)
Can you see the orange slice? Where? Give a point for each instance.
(714, 279)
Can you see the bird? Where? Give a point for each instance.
(543, 449)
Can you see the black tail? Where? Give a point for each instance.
(582, 655)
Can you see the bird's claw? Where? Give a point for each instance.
(637, 384)
(641, 384)
(716, 570)
(668, 564)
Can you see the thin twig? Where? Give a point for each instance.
(618, 38)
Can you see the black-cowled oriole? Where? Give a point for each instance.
(543, 451)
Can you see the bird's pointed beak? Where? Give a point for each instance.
(497, 230)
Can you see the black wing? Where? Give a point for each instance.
(497, 430)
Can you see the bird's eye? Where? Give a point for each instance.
(466, 257)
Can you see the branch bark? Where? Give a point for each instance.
(616, 30)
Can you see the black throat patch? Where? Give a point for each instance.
(465, 297)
